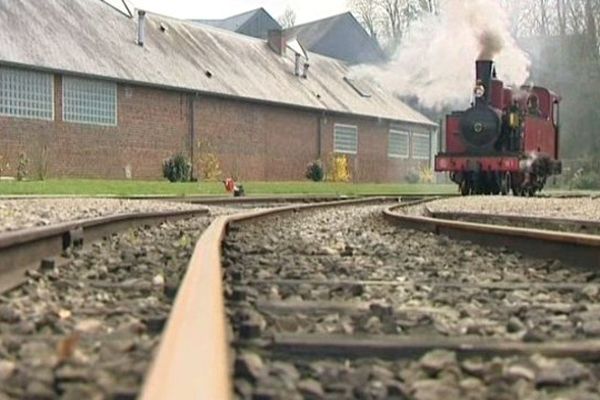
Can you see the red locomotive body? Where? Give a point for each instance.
(508, 140)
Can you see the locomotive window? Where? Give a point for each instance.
(555, 113)
(345, 139)
(89, 102)
(26, 94)
(398, 144)
(421, 146)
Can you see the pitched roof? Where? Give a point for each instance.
(87, 37)
(347, 39)
(232, 23)
(253, 23)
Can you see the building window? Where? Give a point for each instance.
(421, 146)
(345, 139)
(398, 144)
(26, 94)
(89, 101)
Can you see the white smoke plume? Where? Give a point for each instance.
(436, 62)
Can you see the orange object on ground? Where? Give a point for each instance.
(229, 185)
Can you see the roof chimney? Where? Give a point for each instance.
(298, 64)
(276, 41)
(141, 27)
(305, 73)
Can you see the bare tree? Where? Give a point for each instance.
(367, 13)
(288, 18)
(393, 14)
(591, 27)
(388, 20)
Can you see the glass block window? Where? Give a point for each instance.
(345, 139)
(421, 146)
(89, 101)
(399, 144)
(26, 94)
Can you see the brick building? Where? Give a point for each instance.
(97, 93)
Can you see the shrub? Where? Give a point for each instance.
(3, 165)
(207, 164)
(177, 168)
(340, 169)
(426, 175)
(314, 171)
(413, 176)
(587, 180)
(41, 163)
(22, 164)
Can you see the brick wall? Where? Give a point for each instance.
(257, 142)
(152, 125)
(252, 141)
(372, 163)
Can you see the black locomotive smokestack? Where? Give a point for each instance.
(485, 74)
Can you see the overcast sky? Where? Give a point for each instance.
(306, 10)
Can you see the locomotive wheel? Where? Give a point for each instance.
(496, 182)
(465, 188)
(505, 184)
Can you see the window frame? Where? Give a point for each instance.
(401, 132)
(335, 150)
(50, 77)
(412, 147)
(96, 123)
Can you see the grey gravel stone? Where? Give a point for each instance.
(521, 371)
(249, 366)
(430, 389)
(310, 389)
(37, 390)
(7, 368)
(515, 325)
(435, 361)
(591, 328)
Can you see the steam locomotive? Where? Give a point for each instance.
(507, 141)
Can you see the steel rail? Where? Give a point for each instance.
(210, 199)
(502, 219)
(572, 248)
(23, 249)
(193, 360)
(395, 347)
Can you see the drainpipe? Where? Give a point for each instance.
(320, 136)
(141, 27)
(192, 133)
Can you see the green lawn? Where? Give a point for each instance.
(133, 188)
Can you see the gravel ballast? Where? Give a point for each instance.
(27, 213)
(576, 208)
(347, 272)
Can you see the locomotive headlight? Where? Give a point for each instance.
(479, 91)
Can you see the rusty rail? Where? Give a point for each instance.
(193, 357)
(574, 225)
(22, 249)
(572, 248)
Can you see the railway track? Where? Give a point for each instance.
(84, 322)
(330, 300)
(345, 304)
